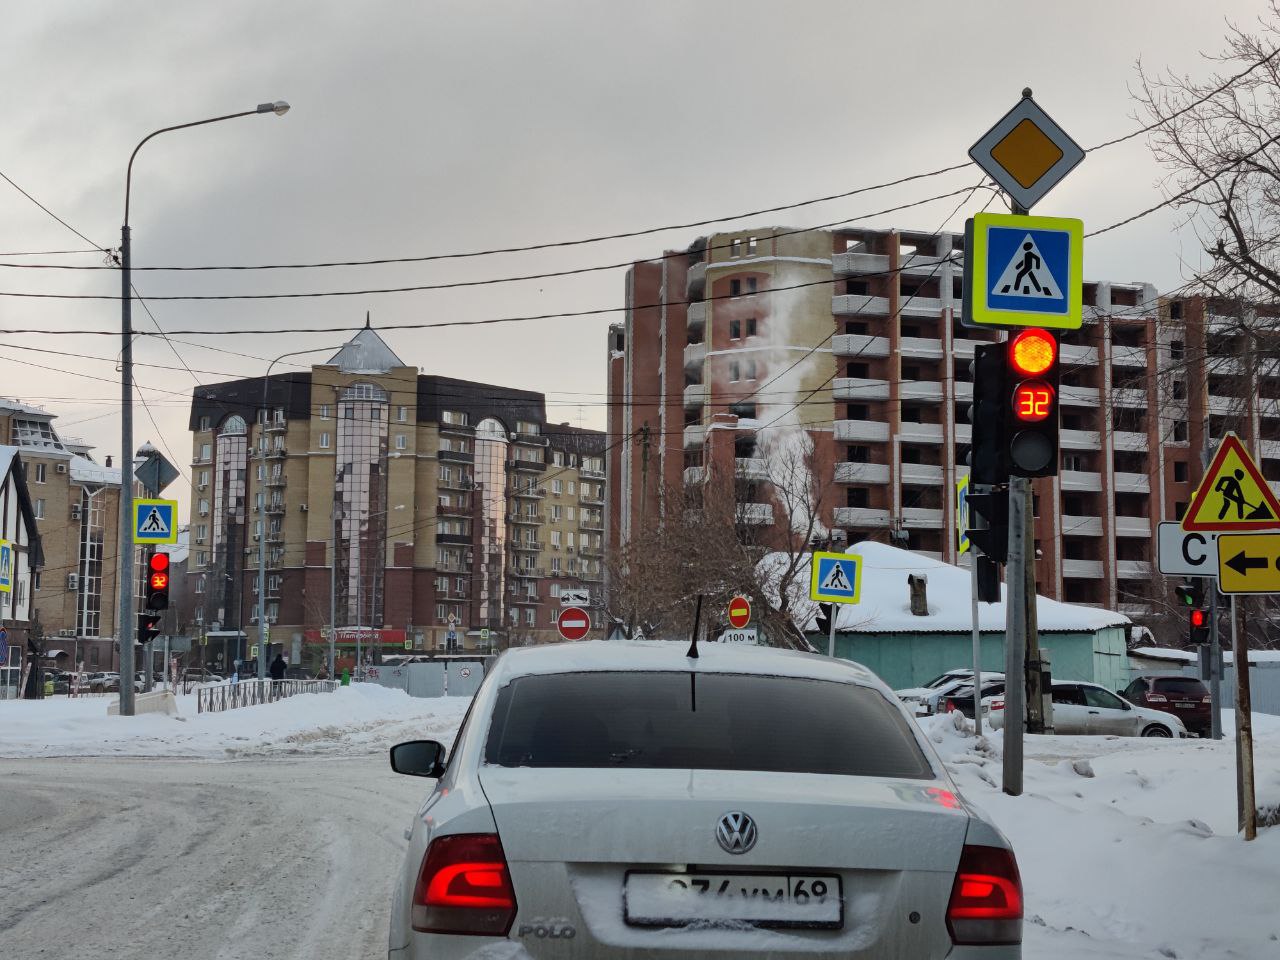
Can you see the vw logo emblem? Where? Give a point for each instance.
(736, 832)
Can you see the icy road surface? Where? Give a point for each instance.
(149, 859)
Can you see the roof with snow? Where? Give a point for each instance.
(885, 599)
(366, 352)
(1189, 656)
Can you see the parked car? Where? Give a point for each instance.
(200, 675)
(962, 698)
(297, 673)
(928, 699)
(105, 682)
(595, 776)
(1087, 709)
(1187, 698)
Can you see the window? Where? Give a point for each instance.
(555, 539)
(751, 326)
(402, 442)
(557, 487)
(262, 472)
(752, 243)
(402, 414)
(557, 459)
(204, 478)
(735, 288)
(642, 719)
(555, 565)
(555, 513)
(734, 376)
(446, 474)
(206, 451)
(1180, 431)
(35, 580)
(324, 440)
(751, 369)
(1068, 695)
(569, 513)
(568, 539)
(441, 613)
(442, 584)
(324, 411)
(1179, 471)
(202, 531)
(204, 423)
(1097, 697)
(530, 616)
(573, 488)
(735, 330)
(39, 509)
(453, 418)
(204, 507)
(375, 413)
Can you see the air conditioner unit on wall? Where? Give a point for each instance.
(61, 468)
(73, 581)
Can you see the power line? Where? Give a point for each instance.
(52, 214)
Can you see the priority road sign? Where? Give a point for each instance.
(574, 623)
(1249, 563)
(155, 521)
(1183, 553)
(1023, 272)
(962, 515)
(739, 612)
(1232, 497)
(1026, 153)
(835, 577)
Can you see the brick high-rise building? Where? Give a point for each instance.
(866, 353)
(446, 503)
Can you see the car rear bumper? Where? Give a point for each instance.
(474, 948)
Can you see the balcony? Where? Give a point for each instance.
(1080, 397)
(520, 463)
(1081, 481)
(529, 492)
(920, 306)
(277, 426)
(275, 507)
(1132, 483)
(1139, 527)
(852, 430)
(528, 519)
(920, 348)
(929, 390)
(456, 539)
(861, 517)
(277, 453)
(591, 551)
(921, 518)
(751, 468)
(755, 514)
(859, 305)
(1079, 439)
(1128, 440)
(696, 315)
(454, 510)
(464, 428)
(696, 280)
(695, 394)
(456, 456)
(1082, 569)
(1081, 526)
(1072, 355)
(694, 434)
(527, 546)
(863, 473)
(694, 475)
(460, 483)
(919, 432)
(1124, 397)
(963, 349)
(859, 345)
(858, 264)
(858, 388)
(1133, 569)
(594, 523)
(594, 500)
(274, 481)
(589, 474)
(922, 473)
(1128, 356)
(695, 354)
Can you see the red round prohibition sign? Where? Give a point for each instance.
(739, 612)
(573, 623)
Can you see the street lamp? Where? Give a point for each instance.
(124, 573)
(263, 633)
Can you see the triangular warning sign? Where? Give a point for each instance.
(1027, 275)
(1233, 495)
(154, 523)
(835, 581)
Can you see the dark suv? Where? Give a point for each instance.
(1187, 698)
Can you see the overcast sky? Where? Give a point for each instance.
(427, 128)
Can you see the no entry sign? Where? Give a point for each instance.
(573, 623)
(739, 612)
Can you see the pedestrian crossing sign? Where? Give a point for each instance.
(1233, 496)
(155, 521)
(835, 577)
(6, 566)
(1023, 271)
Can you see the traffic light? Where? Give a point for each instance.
(1031, 415)
(158, 582)
(1190, 594)
(988, 462)
(1199, 626)
(148, 627)
(992, 507)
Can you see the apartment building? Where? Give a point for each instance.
(76, 504)
(865, 353)
(418, 506)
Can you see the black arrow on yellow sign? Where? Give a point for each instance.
(1242, 563)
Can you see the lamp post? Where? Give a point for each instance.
(124, 571)
(263, 632)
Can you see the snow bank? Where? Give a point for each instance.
(359, 719)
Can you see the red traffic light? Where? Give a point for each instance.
(1033, 352)
(1032, 401)
(1199, 619)
(159, 563)
(159, 581)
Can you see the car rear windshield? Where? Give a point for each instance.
(701, 721)
(1181, 686)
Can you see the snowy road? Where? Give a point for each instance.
(260, 860)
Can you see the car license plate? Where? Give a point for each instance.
(1184, 705)
(754, 899)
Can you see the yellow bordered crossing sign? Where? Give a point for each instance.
(835, 577)
(1023, 271)
(1233, 497)
(155, 521)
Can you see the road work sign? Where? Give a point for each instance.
(1233, 497)
(1185, 553)
(1026, 153)
(835, 577)
(1249, 563)
(1024, 271)
(155, 521)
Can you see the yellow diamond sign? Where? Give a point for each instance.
(1026, 153)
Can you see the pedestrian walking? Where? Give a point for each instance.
(277, 668)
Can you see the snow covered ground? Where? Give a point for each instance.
(1128, 847)
(359, 719)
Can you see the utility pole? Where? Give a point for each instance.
(333, 588)
(1245, 795)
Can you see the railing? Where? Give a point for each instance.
(250, 693)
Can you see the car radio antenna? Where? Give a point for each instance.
(693, 639)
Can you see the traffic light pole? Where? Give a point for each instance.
(1246, 802)
(1215, 664)
(1015, 635)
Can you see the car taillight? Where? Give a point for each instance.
(464, 887)
(997, 704)
(951, 706)
(1157, 698)
(986, 898)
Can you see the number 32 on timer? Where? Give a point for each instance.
(1032, 402)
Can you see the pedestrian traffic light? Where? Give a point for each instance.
(1031, 415)
(148, 627)
(993, 507)
(1199, 625)
(987, 450)
(158, 582)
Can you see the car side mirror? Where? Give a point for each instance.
(418, 758)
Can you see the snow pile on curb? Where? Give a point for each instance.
(359, 719)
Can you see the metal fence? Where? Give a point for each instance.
(249, 693)
(1264, 683)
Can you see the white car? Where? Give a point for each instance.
(925, 700)
(1086, 709)
(621, 800)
